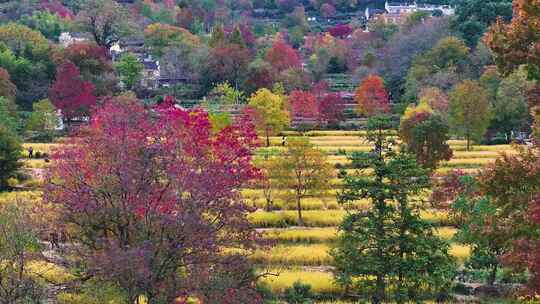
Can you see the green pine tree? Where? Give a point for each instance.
(387, 252)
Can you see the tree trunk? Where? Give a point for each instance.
(267, 137)
(379, 290)
(493, 275)
(299, 208)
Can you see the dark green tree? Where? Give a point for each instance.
(10, 152)
(474, 16)
(388, 252)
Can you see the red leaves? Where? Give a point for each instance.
(282, 56)
(331, 108)
(303, 105)
(372, 97)
(70, 93)
(340, 30)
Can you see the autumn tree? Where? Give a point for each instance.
(516, 43)
(387, 252)
(372, 97)
(470, 112)
(134, 185)
(268, 111)
(70, 93)
(282, 56)
(331, 109)
(93, 63)
(106, 20)
(511, 185)
(435, 98)
(226, 63)
(303, 170)
(425, 135)
(130, 70)
(304, 107)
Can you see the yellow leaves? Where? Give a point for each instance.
(414, 109)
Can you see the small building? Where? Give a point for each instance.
(408, 8)
(66, 38)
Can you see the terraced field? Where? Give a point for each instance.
(301, 253)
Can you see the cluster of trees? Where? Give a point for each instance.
(158, 186)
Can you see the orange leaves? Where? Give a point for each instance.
(372, 97)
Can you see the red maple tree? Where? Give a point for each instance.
(331, 109)
(282, 56)
(152, 191)
(303, 105)
(70, 93)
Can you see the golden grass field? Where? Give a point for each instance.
(301, 253)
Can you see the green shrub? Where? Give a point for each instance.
(299, 293)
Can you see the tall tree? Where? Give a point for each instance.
(268, 111)
(303, 170)
(388, 252)
(470, 112)
(70, 93)
(372, 97)
(135, 186)
(106, 20)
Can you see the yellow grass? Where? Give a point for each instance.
(312, 235)
(321, 282)
(318, 255)
(307, 255)
(16, 196)
(49, 272)
(327, 234)
(34, 163)
(40, 147)
(322, 218)
(460, 252)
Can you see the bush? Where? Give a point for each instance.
(299, 293)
